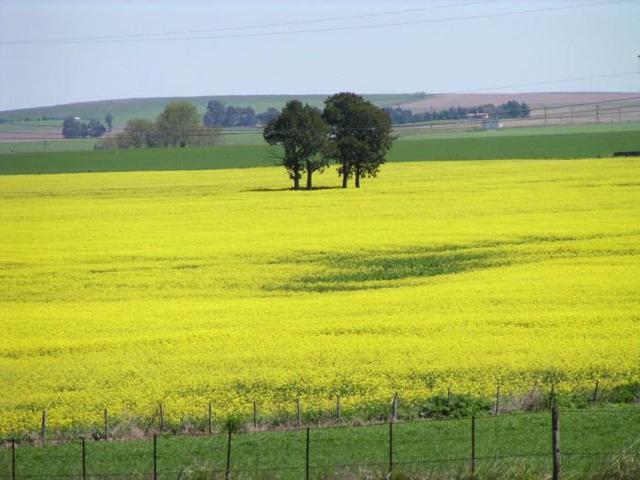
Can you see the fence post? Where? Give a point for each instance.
(555, 440)
(306, 457)
(255, 415)
(84, 458)
(155, 456)
(595, 392)
(449, 399)
(497, 411)
(43, 428)
(390, 446)
(227, 475)
(161, 411)
(473, 446)
(338, 409)
(106, 425)
(13, 459)
(209, 420)
(545, 115)
(298, 413)
(394, 407)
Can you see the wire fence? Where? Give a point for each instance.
(467, 445)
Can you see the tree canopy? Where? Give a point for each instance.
(360, 135)
(74, 128)
(302, 133)
(108, 119)
(178, 124)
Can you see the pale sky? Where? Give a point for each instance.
(430, 52)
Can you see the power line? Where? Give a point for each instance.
(323, 30)
(254, 26)
(546, 82)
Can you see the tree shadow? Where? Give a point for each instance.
(285, 189)
(374, 270)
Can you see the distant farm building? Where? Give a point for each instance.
(478, 116)
(486, 123)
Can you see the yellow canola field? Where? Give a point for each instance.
(122, 290)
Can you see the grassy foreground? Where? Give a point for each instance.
(513, 144)
(518, 443)
(123, 290)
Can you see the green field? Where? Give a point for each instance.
(43, 146)
(536, 145)
(407, 133)
(509, 443)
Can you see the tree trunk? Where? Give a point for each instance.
(309, 173)
(345, 176)
(296, 180)
(357, 178)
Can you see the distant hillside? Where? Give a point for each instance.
(536, 100)
(125, 109)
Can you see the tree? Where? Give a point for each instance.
(302, 133)
(205, 136)
(71, 128)
(215, 114)
(108, 119)
(95, 128)
(270, 114)
(513, 109)
(360, 135)
(178, 124)
(139, 133)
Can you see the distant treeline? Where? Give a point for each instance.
(177, 126)
(219, 116)
(510, 109)
(30, 119)
(72, 127)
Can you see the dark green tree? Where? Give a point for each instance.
(303, 134)
(270, 114)
(360, 136)
(72, 128)
(108, 119)
(178, 124)
(215, 114)
(95, 128)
